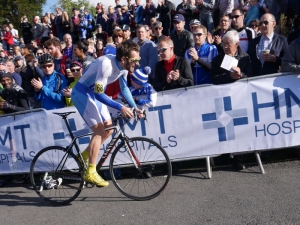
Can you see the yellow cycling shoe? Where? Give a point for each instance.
(96, 179)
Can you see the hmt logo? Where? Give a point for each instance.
(225, 118)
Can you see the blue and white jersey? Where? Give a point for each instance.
(206, 52)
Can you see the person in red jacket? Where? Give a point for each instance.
(8, 37)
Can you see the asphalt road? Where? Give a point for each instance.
(230, 197)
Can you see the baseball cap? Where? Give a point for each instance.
(195, 22)
(157, 24)
(17, 58)
(178, 18)
(125, 27)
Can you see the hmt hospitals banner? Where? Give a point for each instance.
(200, 121)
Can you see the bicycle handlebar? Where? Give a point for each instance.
(135, 115)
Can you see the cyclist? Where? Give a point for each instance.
(89, 98)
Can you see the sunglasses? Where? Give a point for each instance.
(266, 22)
(157, 28)
(161, 50)
(75, 70)
(235, 17)
(198, 34)
(133, 59)
(253, 25)
(47, 66)
(39, 53)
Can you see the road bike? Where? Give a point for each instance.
(139, 167)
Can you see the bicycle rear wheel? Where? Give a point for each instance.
(56, 176)
(149, 178)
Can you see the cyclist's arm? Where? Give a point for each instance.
(126, 92)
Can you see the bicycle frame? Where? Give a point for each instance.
(118, 135)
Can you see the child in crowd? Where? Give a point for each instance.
(140, 86)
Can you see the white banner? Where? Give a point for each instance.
(200, 121)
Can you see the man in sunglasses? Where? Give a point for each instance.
(246, 34)
(201, 56)
(218, 34)
(158, 28)
(89, 98)
(48, 89)
(267, 50)
(172, 71)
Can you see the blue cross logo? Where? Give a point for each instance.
(61, 135)
(225, 119)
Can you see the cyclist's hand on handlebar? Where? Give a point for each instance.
(139, 113)
(126, 112)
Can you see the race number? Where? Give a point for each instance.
(99, 88)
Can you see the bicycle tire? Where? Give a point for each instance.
(57, 187)
(150, 179)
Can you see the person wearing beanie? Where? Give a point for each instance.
(13, 97)
(140, 86)
(76, 70)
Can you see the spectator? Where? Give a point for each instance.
(149, 12)
(193, 24)
(101, 34)
(123, 16)
(74, 23)
(253, 12)
(13, 97)
(48, 90)
(291, 58)
(68, 50)
(46, 28)
(206, 18)
(246, 34)
(99, 48)
(58, 24)
(53, 27)
(88, 17)
(39, 52)
(100, 18)
(11, 69)
(33, 46)
(139, 11)
(126, 32)
(218, 34)
(76, 70)
(59, 60)
(37, 30)
(158, 28)
(27, 72)
(110, 47)
(267, 50)
(255, 26)
(14, 33)
(51, 36)
(82, 27)
(219, 75)
(9, 39)
(3, 56)
(182, 38)
(67, 24)
(226, 6)
(201, 56)
(140, 86)
(148, 51)
(165, 9)
(80, 49)
(172, 71)
(26, 30)
(111, 18)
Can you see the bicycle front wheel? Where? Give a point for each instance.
(141, 171)
(56, 175)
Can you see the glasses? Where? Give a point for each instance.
(235, 17)
(75, 70)
(39, 53)
(157, 28)
(161, 50)
(198, 34)
(133, 59)
(46, 66)
(253, 25)
(266, 22)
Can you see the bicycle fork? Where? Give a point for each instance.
(132, 156)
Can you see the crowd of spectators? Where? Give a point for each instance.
(182, 45)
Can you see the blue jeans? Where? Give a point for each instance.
(208, 22)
